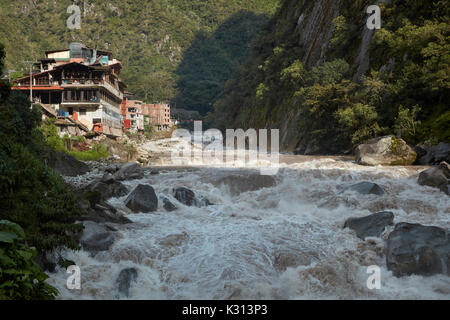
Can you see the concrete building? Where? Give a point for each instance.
(133, 118)
(158, 115)
(79, 83)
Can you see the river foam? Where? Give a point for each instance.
(280, 242)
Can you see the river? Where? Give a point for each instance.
(281, 242)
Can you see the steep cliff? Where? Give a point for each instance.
(328, 82)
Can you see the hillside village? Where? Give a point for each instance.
(80, 88)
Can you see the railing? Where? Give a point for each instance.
(81, 81)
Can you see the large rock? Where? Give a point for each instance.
(188, 198)
(438, 177)
(96, 237)
(366, 187)
(370, 226)
(64, 164)
(238, 184)
(108, 189)
(168, 205)
(142, 199)
(126, 276)
(129, 171)
(434, 155)
(386, 150)
(418, 249)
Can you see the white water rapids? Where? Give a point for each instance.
(282, 242)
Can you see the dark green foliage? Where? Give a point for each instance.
(32, 194)
(20, 276)
(406, 89)
(150, 38)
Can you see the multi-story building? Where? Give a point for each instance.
(79, 83)
(158, 115)
(133, 119)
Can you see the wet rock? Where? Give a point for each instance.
(418, 249)
(169, 206)
(64, 164)
(142, 199)
(434, 155)
(129, 171)
(112, 168)
(96, 237)
(386, 150)
(238, 184)
(108, 188)
(438, 177)
(126, 276)
(372, 225)
(366, 187)
(188, 198)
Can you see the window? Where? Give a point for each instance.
(82, 112)
(97, 121)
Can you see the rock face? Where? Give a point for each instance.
(366, 187)
(188, 198)
(370, 226)
(96, 237)
(64, 164)
(142, 199)
(438, 177)
(385, 151)
(238, 184)
(418, 249)
(169, 206)
(126, 276)
(434, 155)
(129, 171)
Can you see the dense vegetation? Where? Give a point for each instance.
(405, 91)
(32, 196)
(170, 49)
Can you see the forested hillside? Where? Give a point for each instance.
(328, 82)
(175, 50)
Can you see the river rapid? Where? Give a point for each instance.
(281, 242)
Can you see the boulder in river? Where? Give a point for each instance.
(372, 225)
(108, 189)
(418, 249)
(126, 276)
(168, 205)
(142, 199)
(129, 171)
(64, 164)
(188, 198)
(386, 150)
(438, 177)
(96, 237)
(366, 187)
(433, 155)
(238, 184)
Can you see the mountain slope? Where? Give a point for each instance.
(328, 82)
(149, 37)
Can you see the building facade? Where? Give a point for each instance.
(79, 83)
(133, 118)
(158, 115)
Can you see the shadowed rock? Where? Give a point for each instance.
(418, 249)
(96, 237)
(366, 188)
(129, 171)
(126, 276)
(370, 226)
(436, 177)
(169, 206)
(142, 199)
(64, 164)
(238, 184)
(188, 198)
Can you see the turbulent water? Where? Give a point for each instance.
(280, 242)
